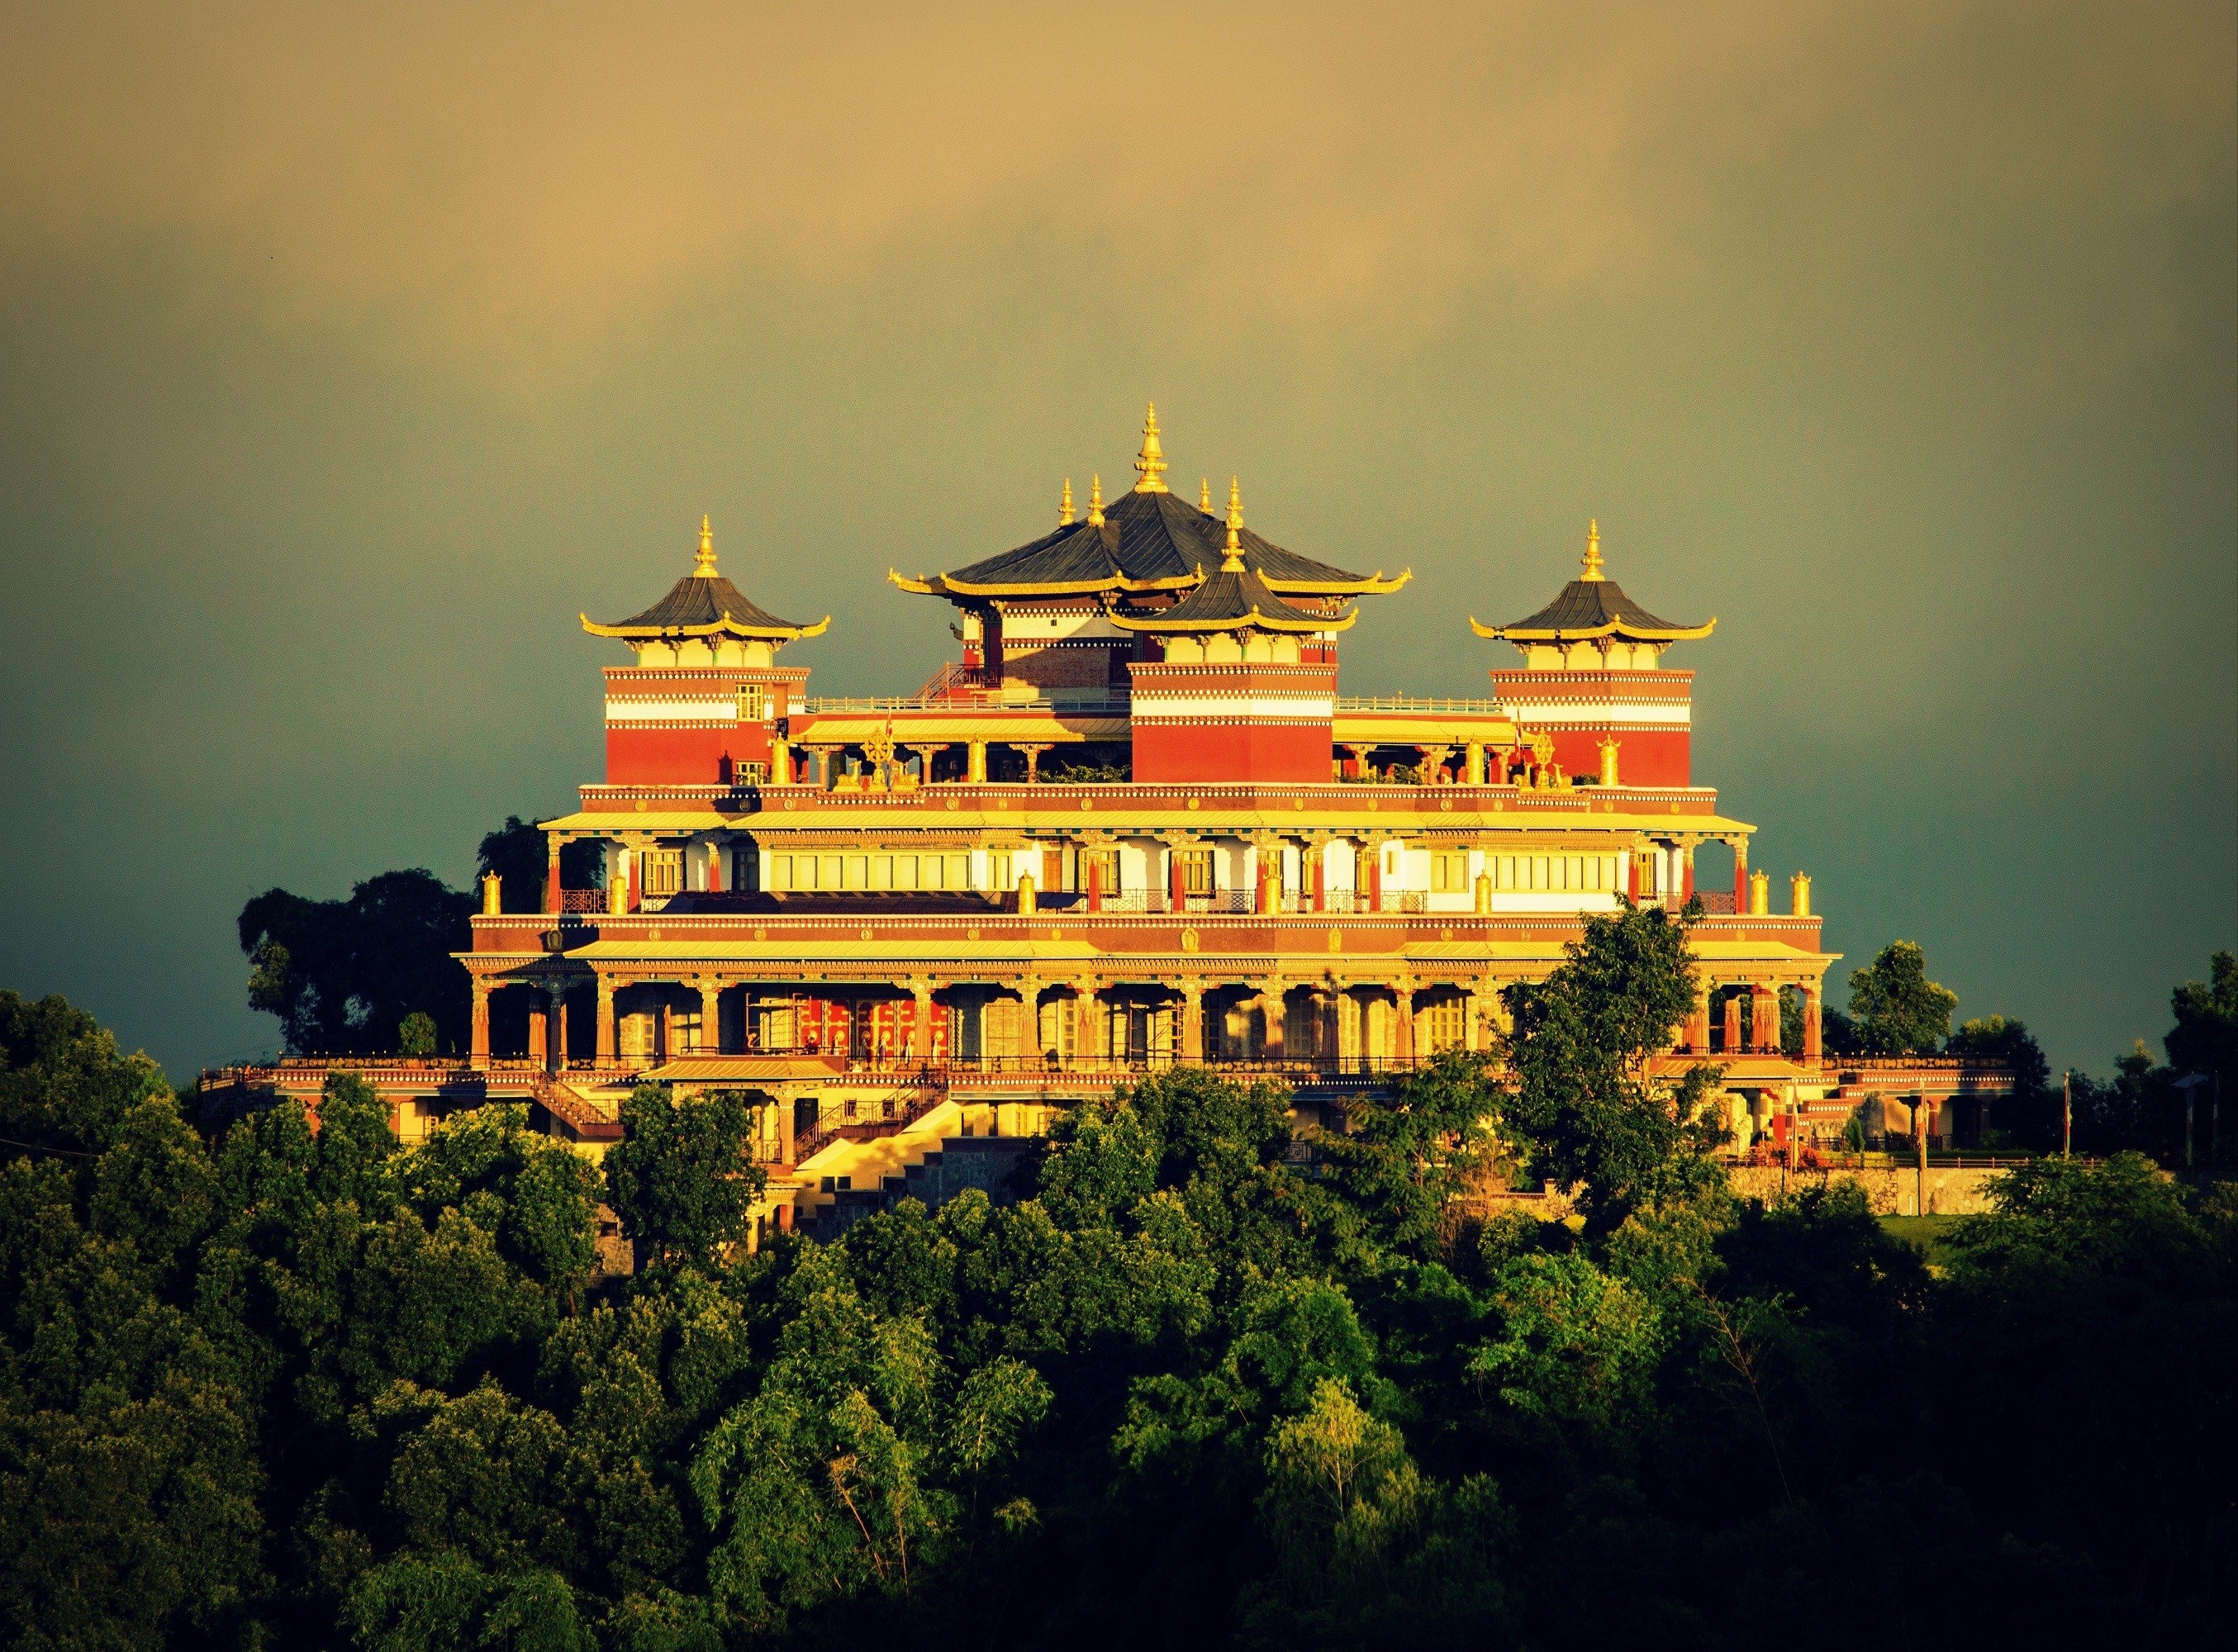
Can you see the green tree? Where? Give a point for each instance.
(1584, 1094)
(683, 1178)
(1404, 1154)
(415, 1035)
(342, 975)
(1897, 1009)
(2205, 1036)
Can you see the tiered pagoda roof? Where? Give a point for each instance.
(1235, 597)
(1148, 541)
(1590, 606)
(704, 604)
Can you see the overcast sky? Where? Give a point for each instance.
(346, 354)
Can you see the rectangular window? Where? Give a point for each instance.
(753, 703)
(998, 869)
(1196, 870)
(928, 870)
(882, 871)
(904, 871)
(1445, 1024)
(743, 866)
(780, 871)
(959, 871)
(858, 872)
(1104, 864)
(827, 872)
(1449, 874)
(660, 871)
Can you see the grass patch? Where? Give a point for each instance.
(1925, 1234)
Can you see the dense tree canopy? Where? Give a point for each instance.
(293, 1384)
(1895, 1008)
(345, 975)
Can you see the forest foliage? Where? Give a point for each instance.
(284, 1386)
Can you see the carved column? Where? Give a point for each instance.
(1192, 1045)
(1697, 1024)
(710, 1014)
(1740, 875)
(478, 1044)
(1271, 1012)
(539, 1025)
(1813, 1049)
(1403, 992)
(556, 1039)
(605, 1044)
(1733, 1023)
(552, 873)
(1766, 1008)
(920, 1044)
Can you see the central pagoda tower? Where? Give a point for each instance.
(1234, 698)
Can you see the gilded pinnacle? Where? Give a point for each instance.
(1151, 462)
(1204, 494)
(1064, 510)
(704, 563)
(1095, 501)
(1592, 551)
(1233, 562)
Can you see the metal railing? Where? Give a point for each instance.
(1415, 703)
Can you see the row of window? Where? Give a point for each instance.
(1449, 872)
(842, 871)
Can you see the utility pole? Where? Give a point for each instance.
(2067, 1113)
(1919, 1116)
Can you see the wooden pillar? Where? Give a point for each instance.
(1192, 1045)
(1094, 880)
(556, 1039)
(1740, 875)
(539, 1025)
(552, 874)
(920, 1044)
(1766, 1008)
(1697, 1024)
(1686, 879)
(1403, 993)
(1733, 1023)
(1272, 1008)
(1320, 853)
(605, 1044)
(1813, 1046)
(477, 1039)
(710, 1014)
(1372, 853)
(1176, 879)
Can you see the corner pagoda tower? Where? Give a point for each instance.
(699, 706)
(1592, 680)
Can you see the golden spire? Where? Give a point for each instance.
(1592, 551)
(1233, 562)
(1151, 461)
(1095, 501)
(704, 563)
(1064, 510)
(1204, 494)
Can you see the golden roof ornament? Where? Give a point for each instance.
(704, 563)
(1095, 501)
(1233, 562)
(1064, 509)
(1151, 461)
(1204, 494)
(1592, 551)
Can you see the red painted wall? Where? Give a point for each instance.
(641, 756)
(1167, 753)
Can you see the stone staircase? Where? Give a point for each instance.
(927, 1158)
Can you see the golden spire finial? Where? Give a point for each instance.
(1592, 551)
(705, 562)
(1095, 501)
(1151, 461)
(1233, 562)
(1064, 510)
(1204, 494)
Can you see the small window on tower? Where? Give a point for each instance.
(753, 703)
(1449, 874)
(662, 870)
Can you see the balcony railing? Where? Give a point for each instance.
(1347, 704)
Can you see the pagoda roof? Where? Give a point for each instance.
(1147, 541)
(1593, 605)
(1237, 596)
(705, 604)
